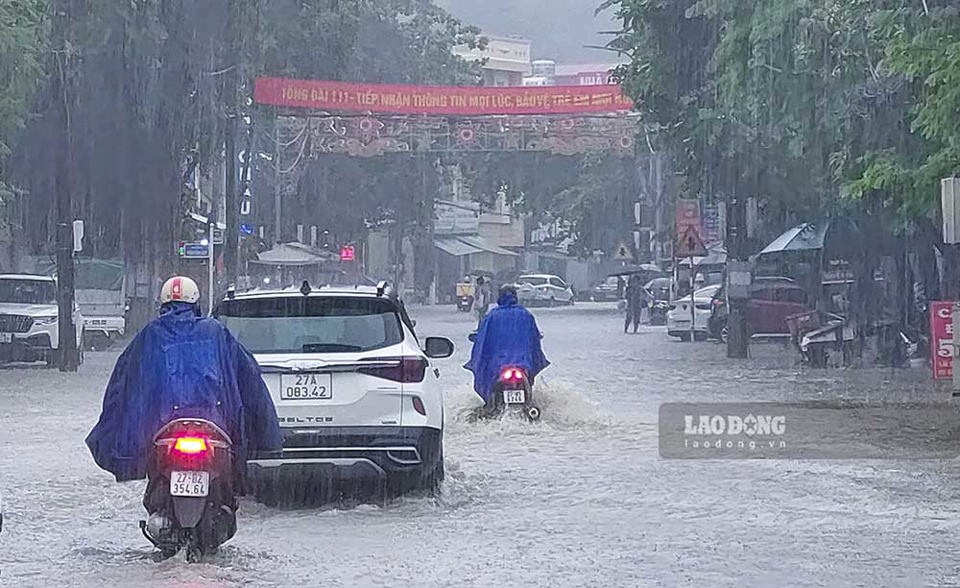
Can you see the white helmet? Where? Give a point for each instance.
(180, 289)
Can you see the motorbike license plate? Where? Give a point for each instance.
(189, 483)
(306, 386)
(6, 337)
(514, 396)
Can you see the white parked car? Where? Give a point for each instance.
(543, 289)
(678, 317)
(29, 325)
(357, 394)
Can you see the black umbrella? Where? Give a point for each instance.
(643, 268)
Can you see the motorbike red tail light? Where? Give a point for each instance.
(190, 445)
(512, 375)
(407, 370)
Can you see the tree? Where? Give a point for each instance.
(24, 34)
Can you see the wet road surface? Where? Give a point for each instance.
(580, 499)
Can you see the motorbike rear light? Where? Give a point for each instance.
(418, 406)
(512, 375)
(190, 445)
(407, 370)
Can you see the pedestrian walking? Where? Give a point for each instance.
(634, 294)
(481, 302)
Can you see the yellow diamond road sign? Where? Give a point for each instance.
(623, 253)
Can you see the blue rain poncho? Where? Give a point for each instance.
(508, 337)
(182, 366)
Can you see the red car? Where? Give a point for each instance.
(772, 300)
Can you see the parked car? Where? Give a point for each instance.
(358, 398)
(772, 300)
(29, 318)
(543, 290)
(609, 290)
(679, 315)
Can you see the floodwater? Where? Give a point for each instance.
(579, 499)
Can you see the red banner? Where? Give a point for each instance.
(439, 100)
(941, 339)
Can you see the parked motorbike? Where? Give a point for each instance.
(190, 494)
(833, 336)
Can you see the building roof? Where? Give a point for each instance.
(572, 69)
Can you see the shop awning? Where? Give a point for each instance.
(454, 246)
(484, 245)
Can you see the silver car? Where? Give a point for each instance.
(543, 290)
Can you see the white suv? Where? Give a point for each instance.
(29, 325)
(359, 403)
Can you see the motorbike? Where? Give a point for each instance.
(465, 303)
(190, 494)
(513, 390)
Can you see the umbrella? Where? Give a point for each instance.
(803, 237)
(643, 268)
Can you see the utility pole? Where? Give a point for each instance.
(277, 179)
(69, 355)
(231, 235)
(738, 339)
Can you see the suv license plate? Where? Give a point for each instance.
(514, 396)
(6, 337)
(189, 484)
(306, 386)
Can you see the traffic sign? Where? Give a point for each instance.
(193, 250)
(690, 244)
(347, 253)
(688, 214)
(623, 253)
(218, 236)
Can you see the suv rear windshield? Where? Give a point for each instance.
(312, 324)
(533, 280)
(14, 291)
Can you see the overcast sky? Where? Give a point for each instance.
(559, 29)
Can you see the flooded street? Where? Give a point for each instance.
(579, 499)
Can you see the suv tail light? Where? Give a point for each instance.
(407, 370)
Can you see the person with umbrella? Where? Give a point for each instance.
(636, 299)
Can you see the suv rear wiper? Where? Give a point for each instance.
(329, 348)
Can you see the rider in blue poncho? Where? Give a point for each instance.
(182, 366)
(508, 337)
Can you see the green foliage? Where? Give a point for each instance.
(801, 101)
(23, 51)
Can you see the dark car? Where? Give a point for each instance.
(659, 291)
(772, 300)
(609, 290)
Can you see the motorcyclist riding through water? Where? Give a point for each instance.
(508, 337)
(182, 366)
